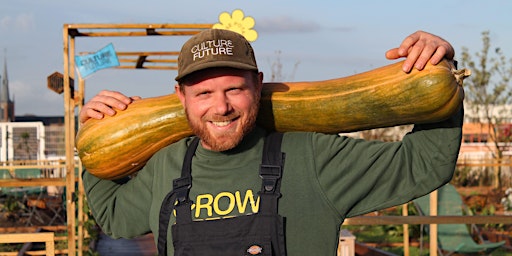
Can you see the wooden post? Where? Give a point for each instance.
(405, 212)
(69, 123)
(346, 243)
(433, 226)
(81, 192)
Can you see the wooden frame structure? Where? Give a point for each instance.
(74, 97)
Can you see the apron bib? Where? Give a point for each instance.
(261, 233)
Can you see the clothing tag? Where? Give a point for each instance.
(254, 250)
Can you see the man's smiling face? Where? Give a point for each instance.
(221, 105)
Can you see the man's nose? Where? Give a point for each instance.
(221, 104)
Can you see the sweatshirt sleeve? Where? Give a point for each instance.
(120, 207)
(359, 176)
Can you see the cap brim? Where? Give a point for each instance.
(215, 64)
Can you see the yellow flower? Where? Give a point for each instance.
(238, 23)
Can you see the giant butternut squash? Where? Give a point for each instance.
(120, 145)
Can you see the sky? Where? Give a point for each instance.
(313, 40)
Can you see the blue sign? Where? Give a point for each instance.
(90, 63)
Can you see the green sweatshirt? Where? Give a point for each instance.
(326, 179)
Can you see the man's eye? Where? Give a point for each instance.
(235, 90)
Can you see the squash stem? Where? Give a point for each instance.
(460, 74)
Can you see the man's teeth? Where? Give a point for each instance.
(221, 124)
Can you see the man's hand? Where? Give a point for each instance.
(105, 103)
(420, 47)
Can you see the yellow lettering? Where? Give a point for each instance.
(231, 204)
(207, 205)
(243, 204)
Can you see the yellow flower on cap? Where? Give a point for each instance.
(237, 22)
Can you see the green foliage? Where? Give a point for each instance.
(488, 210)
(92, 228)
(12, 247)
(12, 204)
(90, 224)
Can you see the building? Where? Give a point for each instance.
(481, 139)
(22, 141)
(27, 137)
(53, 134)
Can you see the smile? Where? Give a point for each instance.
(221, 124)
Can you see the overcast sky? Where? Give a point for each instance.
(317, 40)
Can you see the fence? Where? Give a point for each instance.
(46, 173)
(47, 237)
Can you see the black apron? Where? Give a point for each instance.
(261, 233)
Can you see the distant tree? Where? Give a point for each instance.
(488, 93)
(276, 66)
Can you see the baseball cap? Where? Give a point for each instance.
(215, 48)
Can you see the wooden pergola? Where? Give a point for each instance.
(74, 94)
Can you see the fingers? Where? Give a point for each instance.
(419, 48)
(105, 103)
(89, 112)
(393, 54)
(133, 98)
(419, 54)
(113, 98)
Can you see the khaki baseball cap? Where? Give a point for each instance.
(215, 48)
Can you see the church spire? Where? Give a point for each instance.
(6, 105)
(4, 93)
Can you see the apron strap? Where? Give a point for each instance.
(183, 184)
(271, 170)
(181, 187)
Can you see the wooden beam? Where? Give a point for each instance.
(123, 60)
(139, 60)
(399, 220)
(149, 67)
(136, 33)
(128, 30)
(145, 53)
(33, 182)
(138, 26)
(31, 229)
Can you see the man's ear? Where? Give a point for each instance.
(180, 94)
(260, 80)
